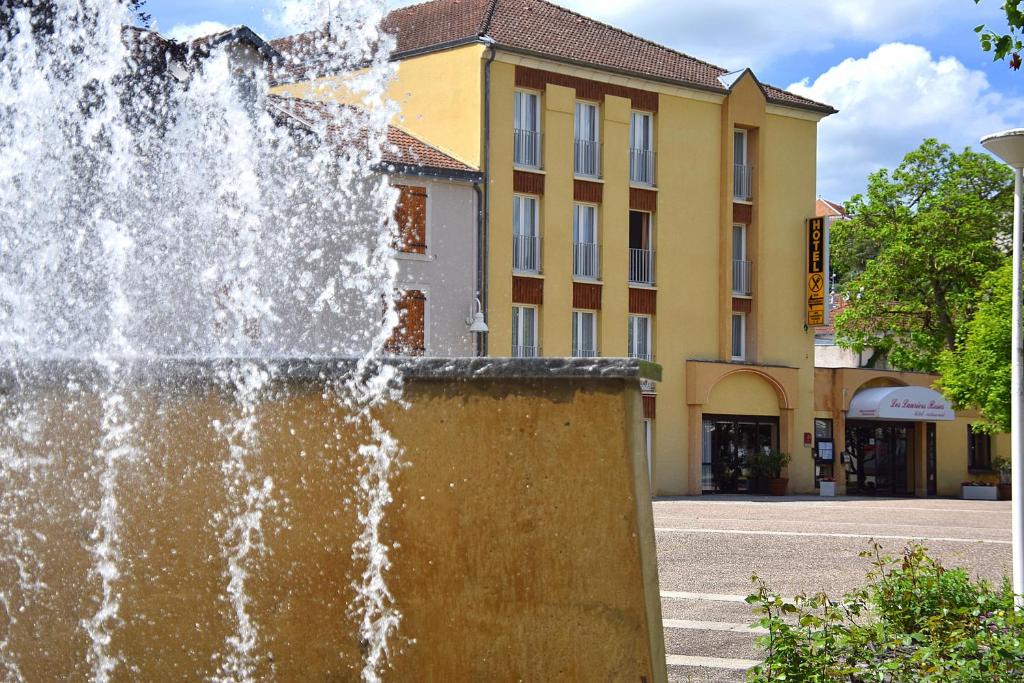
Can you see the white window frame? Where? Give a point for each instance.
(636, 321)
(648, 117)
(743, 335)
(743, 242)
(579, 316)
(739, 151)
(520, 108)
(579, 211)
(517, 331)
(523, 200)
(583, 105)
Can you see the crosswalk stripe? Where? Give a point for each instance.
(710, 597)
(727, 626)
(811, 534)
(711, 662)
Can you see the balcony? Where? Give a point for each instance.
(641, 166)
(527, 148)
(525, 351)
(586, 260)
(742, 278)
(525, 253)
(578, 352)
(587, 161)
(641, 267)
(742, 187)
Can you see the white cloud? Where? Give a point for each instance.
(892, 99)
(185, 32)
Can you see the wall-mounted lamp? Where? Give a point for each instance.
(476, 318)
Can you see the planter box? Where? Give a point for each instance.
(978, 492)
(828, 489)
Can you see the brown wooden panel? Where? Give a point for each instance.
(409, 338)
(586, 295)
(585, 191)
(643, 301)
(742, 213)
(649, 406)
(527, 290)
(741, 305)
(537, 79)
(411, 216)
(643, 200)
(525, 182)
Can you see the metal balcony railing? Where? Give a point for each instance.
(525, 351)
(526, 253)
(586, 260)
(742, 188)
(588, 158)
(741, 278)
(583, 353)
(527, 148)
(641, 266)
(641, 166)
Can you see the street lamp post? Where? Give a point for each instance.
(1009, 146)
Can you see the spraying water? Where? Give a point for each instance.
(155, 203)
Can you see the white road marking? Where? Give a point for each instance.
(712, 597)
(748, 520)
(711, 662)
(728, 626)
(812, 534)
(842, 504)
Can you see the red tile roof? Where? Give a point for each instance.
(402, 149)
(533, 26)
(823, 207)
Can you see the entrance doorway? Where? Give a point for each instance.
(879, 457)
(729, 441)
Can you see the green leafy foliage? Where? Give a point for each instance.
(913, 621)
(1004, 46)
(920, 242)
(977, 373)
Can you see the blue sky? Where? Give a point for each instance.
(898, 70)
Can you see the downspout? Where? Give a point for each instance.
(478, 187)
(484, 234)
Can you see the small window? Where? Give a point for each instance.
(584, 334)
(739, 336)
(640, 337)
(979, 450)
(411, 217)
(524, 332)
(409, 338)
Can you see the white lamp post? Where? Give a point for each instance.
(1009, 146)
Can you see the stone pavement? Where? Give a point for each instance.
(708, 548)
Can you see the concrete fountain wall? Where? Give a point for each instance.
(525, 543)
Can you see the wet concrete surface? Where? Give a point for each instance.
(709, 547)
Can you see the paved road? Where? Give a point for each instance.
(709, 547)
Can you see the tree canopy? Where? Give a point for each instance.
(920, 243)
(1005, 45)
(977, 373)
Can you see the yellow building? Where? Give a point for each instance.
(639, 202)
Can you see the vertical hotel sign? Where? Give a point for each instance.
(817, 271)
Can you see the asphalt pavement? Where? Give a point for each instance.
(710, 546)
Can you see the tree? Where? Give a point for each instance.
(977, 373)
(916, 251)
(1004, 45)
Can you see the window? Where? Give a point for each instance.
(824, 452)
(741, 269)
(640, 337)
(739, 336)
(641, 153)
(527, 129)
(588, 152)
(524, 332)
(741, 166)
(979, 450)
(409, 338)
(411, 217)
(586, 253)
(584, 334)
(641, 248)
(525, 234)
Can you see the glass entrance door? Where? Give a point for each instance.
(729, 441)
(878, 457)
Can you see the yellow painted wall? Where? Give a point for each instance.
(439, 94)
(559, 106)
(742, 394)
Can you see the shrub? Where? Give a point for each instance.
(913, 621)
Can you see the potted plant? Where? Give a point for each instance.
(1004, 488)
(774, 462)
(828, 487)
(757, 471)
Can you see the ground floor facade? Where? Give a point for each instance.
(859, 431)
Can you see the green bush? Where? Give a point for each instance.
(914, 621)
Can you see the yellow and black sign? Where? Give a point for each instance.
(817, 275)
